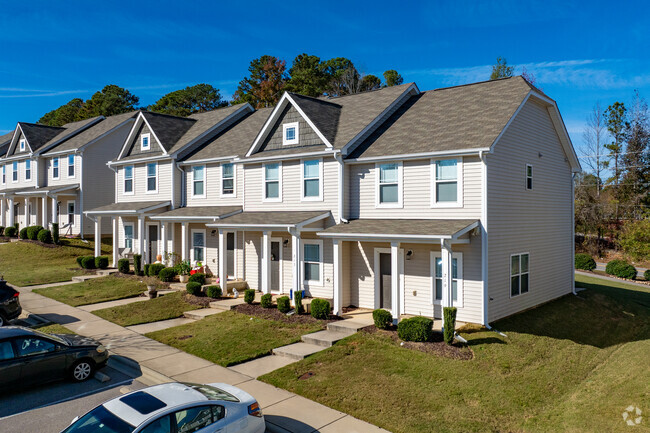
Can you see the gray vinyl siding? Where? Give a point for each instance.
(212, 187)
(140, 183)
(537, 221)
(306, 135)
(136, 149)
(16, 150)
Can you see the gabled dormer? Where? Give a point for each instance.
(29, 137)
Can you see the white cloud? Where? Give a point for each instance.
(33, 93)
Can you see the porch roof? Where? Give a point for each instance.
(282, 220)
(400, 229)
(34, 191)
(128, 208)
(198, 213)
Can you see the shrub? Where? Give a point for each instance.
(415, 329)
(249, 296)
(32, 232)
(23, 233)
(193, 288)
(101, 262)
(297, 300)
(267, 301)
(621, 269)
(585, 262)
(17, 227)
(145, 269)
(213, 291)
(44, 236)
(197, 278)
(635, 239)
(166, 274)
(123, 266)
(2, 230)
(383, 319)
(137, 264)
(88, 262)
(320, 309)
(449, 314)
(55, 233)
(10, 232)
(284, 304)
(79, 260)
(155, 268)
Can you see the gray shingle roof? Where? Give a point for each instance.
(275, 218)
(5, 140)
(399, 227)
(199, 212)
(323, 113)
(168, 129)
(128, 207)
(38, 135)
(462, 117)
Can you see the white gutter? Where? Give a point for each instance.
(341, 173)
(409, 156)
(207, 160)
(135, 161)
(329, 152)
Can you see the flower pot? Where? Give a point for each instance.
(183, 278)
(152, 292)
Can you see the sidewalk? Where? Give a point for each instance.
(284, 411)
(604, 277)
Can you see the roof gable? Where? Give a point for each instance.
(35, 137)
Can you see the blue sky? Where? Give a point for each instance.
(579, 53)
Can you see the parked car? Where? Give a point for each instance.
(178, 408)
(29, 357)
(9, 303)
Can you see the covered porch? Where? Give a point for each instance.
(41, 206)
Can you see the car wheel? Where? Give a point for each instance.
(82, 370)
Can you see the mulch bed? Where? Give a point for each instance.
(255, 309)
(202, 301)
(436, 347)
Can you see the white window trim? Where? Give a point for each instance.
(459, 258)
(133, 238)
(526, 177)
(28, 170)
(22, 144)
(205, 184)
(148, 137)
(320, 180)
(235, 263)
(286, 126)
(124, 191)
(3, 175)
(74, 167)
(279, 198)
(15, 170)
(58, 168)
(510, 275)
(234, 180)
(400, 186)
(67, 212)
(204, 247)
(459, 184)
(146, 169)
(312, 283)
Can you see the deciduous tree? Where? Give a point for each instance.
(501, 69)
(264, 85)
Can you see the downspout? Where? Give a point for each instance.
(81, 194)
(484, 240)
(341, 178)
(182, 201)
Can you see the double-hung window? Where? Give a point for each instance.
(128, 179)
(389, 188)
(145, 141)
(198, 245)
(198, 181)
(290, 133)
(4, 174)
(70, 165)
(55, 168)
(313, 262)
(128, 236)
(22, 145)
(518, 274)
(446, 187)
(456, 278)
(28, 169)
(529, 176)
(311, 179)
(272, 184)
(14, 172)
(228, 179)
(152, 177)
(71, 212)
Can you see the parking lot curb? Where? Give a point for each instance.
(132, 368)
(101, 377)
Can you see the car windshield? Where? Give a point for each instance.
(99, 420)
(51, 337)
(212, 393)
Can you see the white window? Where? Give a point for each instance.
(313, 262)
(28, 169)
(145, 141)
(22, 145)
(128, 235)
(198, 246)
(446, 186)
(152, 177)
(456, 278)
(55, 168)
(518, 274)
(70, 165)
(312, 174)
(71, 212)
(198, 181)
(272, 182)
(128, 179)
(4, 174)
(290, 133)
(228, 179)
(389, 185)
(14, 172)
(529, 176)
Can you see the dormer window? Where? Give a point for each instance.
(145, 141)
(22, 145)
(290, 133)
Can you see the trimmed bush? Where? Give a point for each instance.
(137, 264)
(249, 296)
(297, 300)
(101, 262)
(32, 232)
(415, 329)
(88, 262)
(213, 291)
(2, 230)
(197, 278)
(145, 270)
(55, 233)
(646, 275)
(10, 232)
(320, 309)
(267, 301)
(383, 319)
(17, 226)
(155, 268)
(123, 266)
(621, 269)
(585, 262)
(44, 236)
(79, 260)
(449, 315)
(193, 288)
(166, 274)
(284, 304)
(23, 233)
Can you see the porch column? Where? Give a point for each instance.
(141, 237)
(27, 222)
(44, 210)
(338, 278)
(55, 210)
(394, 279)
(98, 236)
(184, 254)
(296, 283)
(445, 252)
(163, 240)
(223, 278)
(116, 242)
(266, 262)
(12, 209)
(2, 212)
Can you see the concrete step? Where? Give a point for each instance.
(82, 278)
(104, 272)
(347, 327)
(227, 304)
(323, 338)
(202, 313)
(297, 350)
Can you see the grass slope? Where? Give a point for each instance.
(571, 365)
(162, 308)
(95, 290)
(231, 338)
(55, 329)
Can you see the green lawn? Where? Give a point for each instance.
(162, 308)
(28, 264)
(572, 365)
(55, 329)
(231, 338)
(95, 290)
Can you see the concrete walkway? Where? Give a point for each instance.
(157, 363)
(604, 277)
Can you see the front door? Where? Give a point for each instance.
(153, 243)
(275, 265)
(230, 254)
(385, 289)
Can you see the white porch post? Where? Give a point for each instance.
(2, 212)
(44, 210)
(184, 254)
(163, 239)
(116, 242)
(98, 236)
(141, 237)
(296, 283)
(12, 208)
(266, 262)
(338, 278)
(55, 208)
(394, 279)
(223, 278)
(446, 252)
(27, 222)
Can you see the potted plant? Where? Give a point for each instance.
(184, 268)
(152, 286)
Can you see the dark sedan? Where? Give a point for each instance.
(9, 304)
(29, 357)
